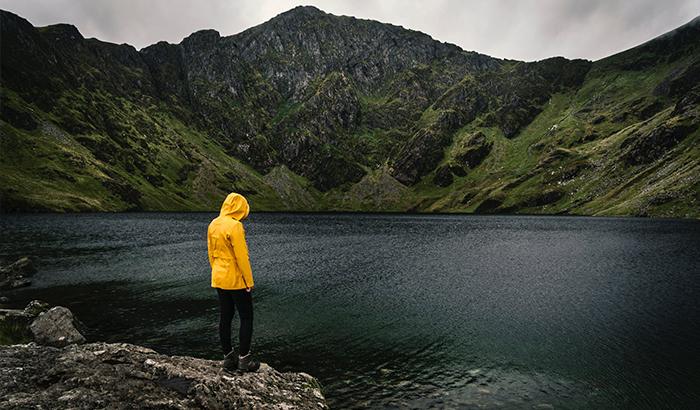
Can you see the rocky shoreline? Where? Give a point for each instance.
(120, 375)
(16, 275)
(53, 368)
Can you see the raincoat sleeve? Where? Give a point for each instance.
(209, 249)
(240, 248)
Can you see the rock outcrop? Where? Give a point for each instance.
(104, 375)
(125, 376)
(58, 371)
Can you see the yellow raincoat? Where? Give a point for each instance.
(228, 252)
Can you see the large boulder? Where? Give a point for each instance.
(121, 376)
(57, 327)
(15, 275)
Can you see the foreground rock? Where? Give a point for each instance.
(57, 372)
(16, 275)
(120, 376)
(57, 327)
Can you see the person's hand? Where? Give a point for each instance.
(250, 288)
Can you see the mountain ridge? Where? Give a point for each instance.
(315, 104)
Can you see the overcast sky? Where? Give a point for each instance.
(519, 29)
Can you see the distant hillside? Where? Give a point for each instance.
(311, 111)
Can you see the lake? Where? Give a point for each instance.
(392, 310)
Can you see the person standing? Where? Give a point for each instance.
(232, 278)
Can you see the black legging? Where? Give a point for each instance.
(230, 300)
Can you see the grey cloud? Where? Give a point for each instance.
(524, 30)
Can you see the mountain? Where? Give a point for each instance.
(312, 111)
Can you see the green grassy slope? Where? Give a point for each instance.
(575, 157)
(156, 163)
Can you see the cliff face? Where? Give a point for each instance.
(317, 104)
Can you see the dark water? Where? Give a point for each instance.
(404, 311)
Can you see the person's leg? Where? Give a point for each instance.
(227, 311)
(244, 304)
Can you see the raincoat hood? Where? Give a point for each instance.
(236, 206)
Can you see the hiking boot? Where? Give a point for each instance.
(231, 361)
(247, 363)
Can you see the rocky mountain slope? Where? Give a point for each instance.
(311, 111)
